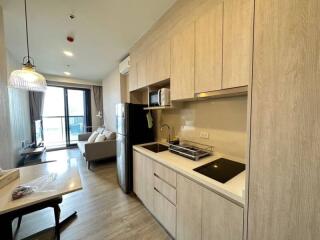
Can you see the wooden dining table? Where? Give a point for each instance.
(49, 181)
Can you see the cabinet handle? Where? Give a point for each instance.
(164, 196)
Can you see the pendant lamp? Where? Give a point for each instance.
(27, 78)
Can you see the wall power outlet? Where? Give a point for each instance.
(204, 135)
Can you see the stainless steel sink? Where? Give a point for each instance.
(156, 147)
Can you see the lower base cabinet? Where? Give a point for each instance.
(202, 214)
(189, 207)
(183, 207)
(221, 219)
(165, 212)
(143, 179)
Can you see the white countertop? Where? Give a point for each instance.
(233, 189)
(52, 179)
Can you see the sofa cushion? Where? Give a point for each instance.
(100, 138)
(93, 137)
(110, 135)
(100, 130)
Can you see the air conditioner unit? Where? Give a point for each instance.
(124, 66)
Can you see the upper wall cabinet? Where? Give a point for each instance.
(208, 50)
(142, 72)
(237, 43)
(182, 64)
(133, 84)
(159, 63)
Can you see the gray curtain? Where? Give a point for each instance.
(97, 96)
(36, 108)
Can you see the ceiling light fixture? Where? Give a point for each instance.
(68, 53)
(67, 73)
(27, 78)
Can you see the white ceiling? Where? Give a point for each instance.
(104, 31)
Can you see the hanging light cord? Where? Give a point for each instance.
(26, 17)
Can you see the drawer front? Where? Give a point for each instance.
(166, 190)
(165, 212)
(166, 174)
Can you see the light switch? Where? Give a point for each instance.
(204, 135)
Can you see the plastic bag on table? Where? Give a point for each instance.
(41, 184)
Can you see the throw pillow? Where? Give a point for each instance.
(100, 130)
(100, 138)
(110, 135)
(93, 137)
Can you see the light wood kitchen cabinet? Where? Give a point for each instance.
(132, 79)
(165, 212)
(166, 174)
(237, 43)
(221, 219)
(165, 197)
(208, 48)
(137, 173)
(189, 206)
(184, 208)
(285, 128)
(148, 183)
(143, 179)
(165, 189)
(142, 72)
(182, 64)
(159, 63)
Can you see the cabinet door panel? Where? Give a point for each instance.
(182, 64)
(133, 84)
(159, 67)
(142, 72)
(208, 52)
(166, 174)
(137, 173)
(221, 219)
(165, 212)
(166, 190)
(284, 171)
(189, 205)
(148, 183)
(237, 43)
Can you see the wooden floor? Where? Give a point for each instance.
(104, 211)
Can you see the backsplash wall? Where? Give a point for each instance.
(223, 119)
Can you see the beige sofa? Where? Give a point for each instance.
(97, 150)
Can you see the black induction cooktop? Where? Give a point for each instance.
(221, 170)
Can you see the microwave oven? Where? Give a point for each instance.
(160, 97)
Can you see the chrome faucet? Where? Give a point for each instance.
(161, 129)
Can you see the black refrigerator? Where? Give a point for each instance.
(132, 128)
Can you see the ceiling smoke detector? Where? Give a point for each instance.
(70, 38)
(72, 16)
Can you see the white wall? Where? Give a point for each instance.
(6, 160)
(19, 113)
(114, 91)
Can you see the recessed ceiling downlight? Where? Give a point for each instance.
(68, 53)
(67, 73)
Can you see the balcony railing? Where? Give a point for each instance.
(54, 130)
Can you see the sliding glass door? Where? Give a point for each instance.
(66, 114)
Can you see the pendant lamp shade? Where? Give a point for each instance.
(27, 78)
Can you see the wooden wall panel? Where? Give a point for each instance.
(284, 182)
